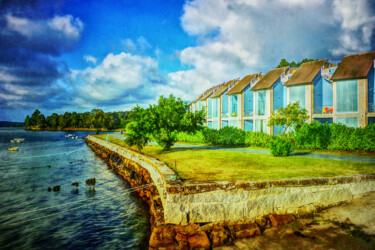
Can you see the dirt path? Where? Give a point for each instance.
(348, 226)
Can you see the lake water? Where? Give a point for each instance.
(31, 217)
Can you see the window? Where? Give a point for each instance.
(261, 125)
(324, 120)
(371, 90)
(224, 105)
(277, 130)
(209, 115)
(348, 121)
(215, 125)
(224, 123)
(279, 95)
(210, 124)
(248, 125)
(233, 111)
(347, 96)
(371, 120)
(323, 96)
(195, 107)
(233, 123)
(248, 102)
(260, 102)
(202, 105)
(297, 93)
(215, 106)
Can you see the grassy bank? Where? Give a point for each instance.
(73, 129)
(216, 165)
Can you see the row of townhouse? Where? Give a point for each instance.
(330, 93)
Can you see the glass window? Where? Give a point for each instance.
(209, 115)
(195, 107)
(323, 96)
(233, 110)
(297, 93)
(248, 125)
(348, 121)
(371, 120)
(279, 95)
(277, 130)
(215, 125)
(260, 102)
(224, 123)
(261, 125)
(233, 123)
(324, 120)
(371, 90)
(210, 124)
(248, 102)
(224, 105)
(203, 105)
(215, 104)
(347, 96)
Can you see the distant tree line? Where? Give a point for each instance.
(96, 119)
(293, 64)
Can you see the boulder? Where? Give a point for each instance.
(281, 219)
(199, 240)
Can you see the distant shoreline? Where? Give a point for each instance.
(73, 129)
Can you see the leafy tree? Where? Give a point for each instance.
(27, 121)
(98, 120)
(290, 116)
(137, 130)
(34, 117)
(52, 121)
(169, 117)
(41, 121)
(283, 63)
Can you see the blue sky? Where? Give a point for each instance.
(75, 55)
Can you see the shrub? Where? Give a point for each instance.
(281, 146)
(227, 136)
(313, 136)
(258, 139)
(191, 137)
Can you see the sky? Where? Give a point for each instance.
(70, 55)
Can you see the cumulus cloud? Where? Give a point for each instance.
(118, 79)
(90, 59)
(239, 37)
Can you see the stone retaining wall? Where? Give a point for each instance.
(214, 213)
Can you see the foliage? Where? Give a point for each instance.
(258, 139)
(285, 63)
(196, 137)
(290, 116)
(227, 136)
(281, 146)
(95, 119)
(345, 138)
(137, 130)
(314, 135)
(169, 117)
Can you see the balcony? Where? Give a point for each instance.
(248, 113)
(224, 114)
(371, 107)
(323, 109)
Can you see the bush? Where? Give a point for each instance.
(313, 136)
(258, 139)
(281, 146)
(191, 137)
(227, 136)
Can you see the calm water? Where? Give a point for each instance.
(112, 217)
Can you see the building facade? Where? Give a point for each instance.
(330, 93)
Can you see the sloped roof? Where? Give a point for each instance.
(306, 73)
(354, 66)
(208, 93)
(222, 89)
(242, 84)
(269, 79)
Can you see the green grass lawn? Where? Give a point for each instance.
(217, 165)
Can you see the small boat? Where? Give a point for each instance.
(13, 149)
(17, 140)
(69, 135)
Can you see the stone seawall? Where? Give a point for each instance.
(215, 213)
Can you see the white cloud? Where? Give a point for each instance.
(240, 37)
(90, 59)
(17, 90)
(69, 26)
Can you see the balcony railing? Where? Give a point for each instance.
(224, 114)
(371, 107)
(323, 109)
(248, 113)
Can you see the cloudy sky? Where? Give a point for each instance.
(71, 55)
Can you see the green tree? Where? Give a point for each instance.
(290, 116)
(138, 129)
(283, 63)
(98, 120)
(27, 121)
(52, 121)
(34, 117)
(41, 121)
(169, 117)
